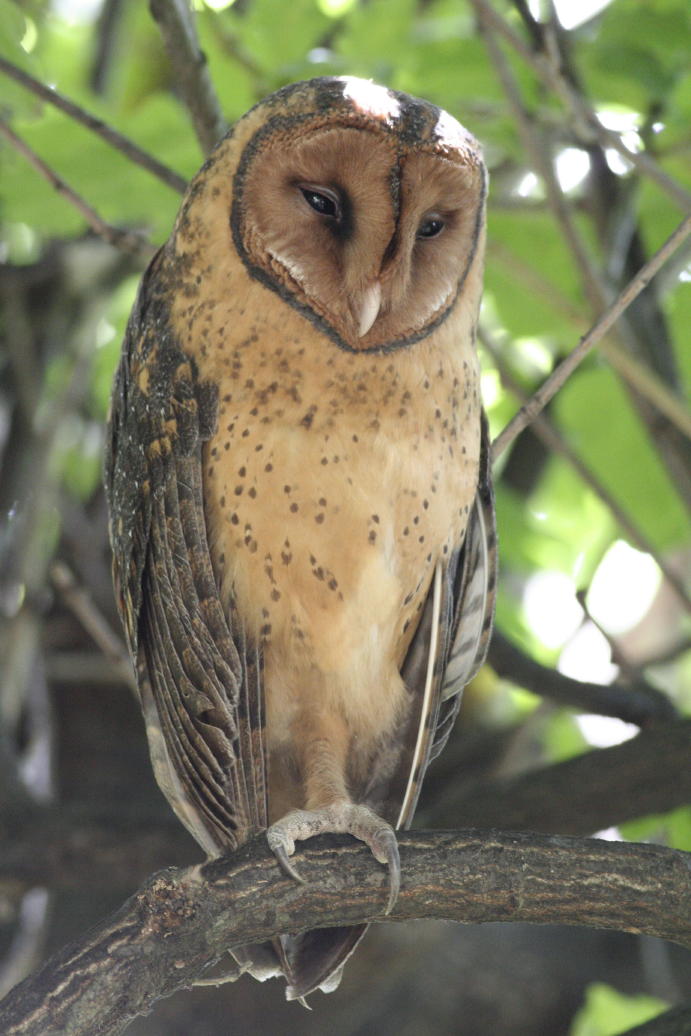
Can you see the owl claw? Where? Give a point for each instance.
(282, 854)
(341, 818)
(387, 840)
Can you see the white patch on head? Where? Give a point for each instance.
(452, 135)
(371, 98)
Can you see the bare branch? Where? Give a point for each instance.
(191, 74)
(638, 703)
(120, 142)
(128, 241)
(542, 163)
(568, 797)
(634, 372)
(559, 376)
(181, 921)
(545, 430)
(80, 603)
(647, 384)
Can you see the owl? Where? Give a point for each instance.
(298, 481)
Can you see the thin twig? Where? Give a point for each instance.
(191, 73)
(636, 373)
(128, 241)
(647, 384)
(544, 167)
(587, 121)
(122, 143)
(551, 386)
(590, 277)
(549, 434)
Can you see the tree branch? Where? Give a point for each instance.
(100, 848)
(551, 386)
(590, 792)
(586, 121)
(636, 703)
(120, 142)
(83, 607)
(547, 431)
(182, 921)
(128, 241)
(191, 73)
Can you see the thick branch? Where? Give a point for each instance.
(181, 921)
(589, 793)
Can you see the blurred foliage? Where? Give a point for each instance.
(631, 63)
(632, 59)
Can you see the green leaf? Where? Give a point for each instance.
(600, 424)
(607, 1012)
(672, 829)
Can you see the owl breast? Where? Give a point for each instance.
(335, 483)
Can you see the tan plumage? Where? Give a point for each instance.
(297, 450)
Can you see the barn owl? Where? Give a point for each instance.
(298, 480)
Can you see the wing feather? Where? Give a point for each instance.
(200, 678)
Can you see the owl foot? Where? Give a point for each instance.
(341, 818)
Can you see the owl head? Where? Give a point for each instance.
(362, 207)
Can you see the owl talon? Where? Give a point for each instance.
(340, 818)
(281, 854)
(387, 846)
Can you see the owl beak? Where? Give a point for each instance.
(369, 308)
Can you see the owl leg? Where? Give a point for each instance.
(328, 808)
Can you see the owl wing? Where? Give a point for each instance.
(199, 677)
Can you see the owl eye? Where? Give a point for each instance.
(323, 200)
(431, 226)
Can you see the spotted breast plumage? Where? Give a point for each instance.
(298, 480)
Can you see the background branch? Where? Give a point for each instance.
(585, 120)
(129, 241)
(546, 430)
(558, 378)
(191, 73)
(590, 792)
(112, 136)
(637, 703)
